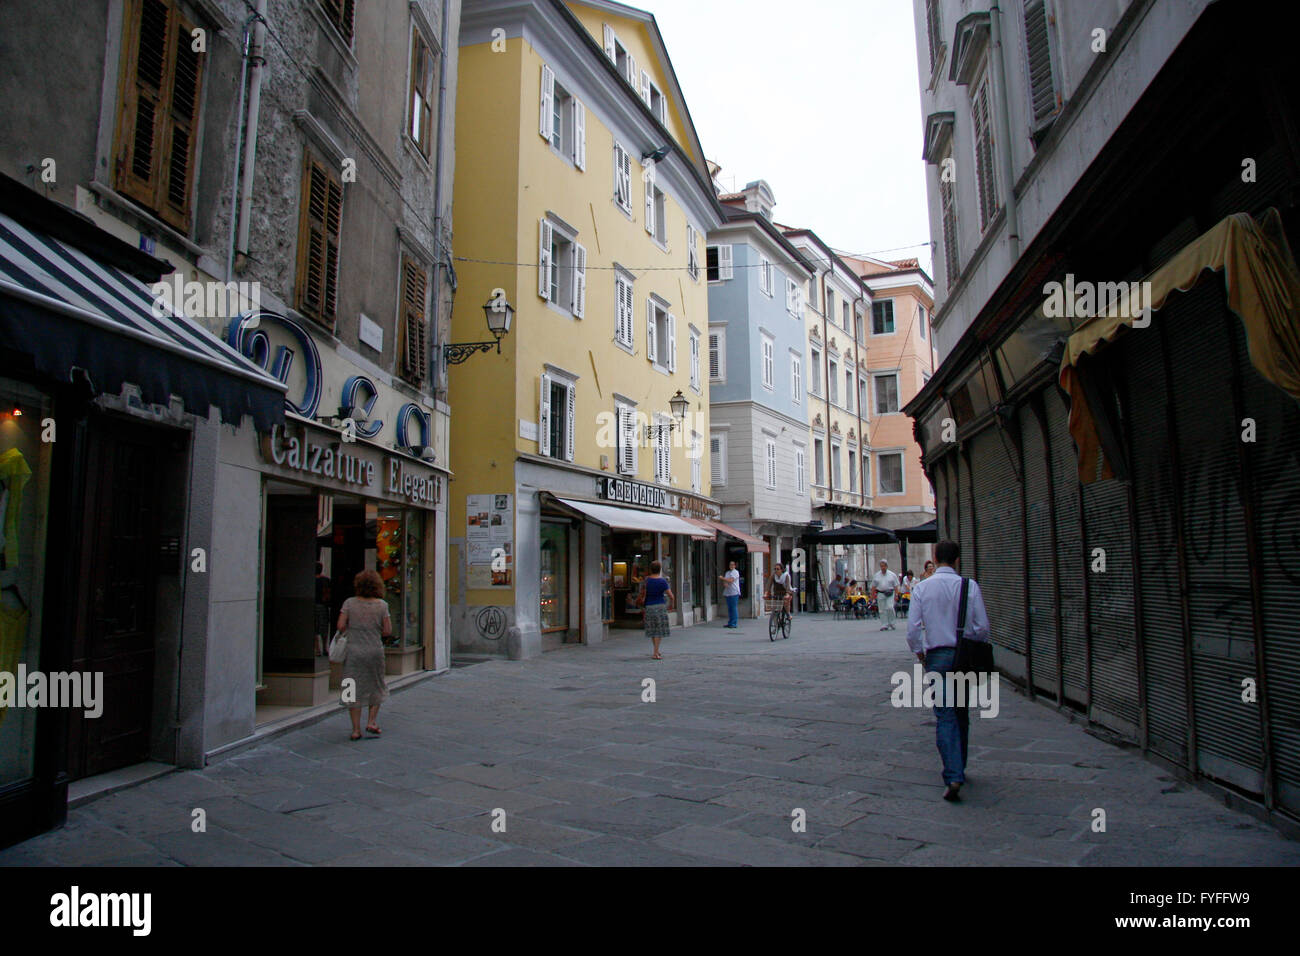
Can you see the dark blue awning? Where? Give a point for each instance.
(69, 310)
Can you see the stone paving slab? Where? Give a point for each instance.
(742, 732)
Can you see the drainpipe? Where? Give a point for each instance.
(256, 63)
(438, 250)
(239, 142)
(862, 435)
(826, 400)
(1004, 130)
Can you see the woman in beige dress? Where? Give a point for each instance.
(364, 619)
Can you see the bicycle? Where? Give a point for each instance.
(778, 621)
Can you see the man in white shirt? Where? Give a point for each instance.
(932, 636)
(731, 591)
(884, 587)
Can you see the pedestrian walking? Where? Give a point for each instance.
(365, 622)
(656, 599)
(884, 584)
(731, 591)
(932, 636)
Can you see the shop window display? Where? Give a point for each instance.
(555, 576)
(24, 490)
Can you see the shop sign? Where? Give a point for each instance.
(425, 489)
(631, 492)
(321, 461)
(336, 463)
(689, 506)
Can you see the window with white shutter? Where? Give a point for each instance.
(652, 352)
(672, 343)
(791, 302)
(833, 381)
(765, 276)
(579, 133)
(609, 44)
(718, 458)
(623, 178)
(717, 356)
(627, 443)
(771, 463)
(570, 418)
(769, 370)
(544, 416)
(623, 311)
(815, 372)
(579, 304)
(546, 112)
(545, 265)
(719, 263)
(692, 252)
(696, 464)
(796, 379)
(663, 452)
(800, 472)
(645, 87)
(695, 360)
(985, 183)
(933, 31)
(650, 205)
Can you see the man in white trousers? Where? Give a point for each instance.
(884, 586)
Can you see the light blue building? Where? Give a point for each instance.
(758, 439)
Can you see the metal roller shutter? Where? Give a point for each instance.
(1228, 739)
(1038, 576)
(998, 539)
(1275, 462)
(1110, 607)
(966, 516)
(1069, 557)
(1157, 565)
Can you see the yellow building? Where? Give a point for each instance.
(582, 199)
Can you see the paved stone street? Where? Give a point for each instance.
(743, 732)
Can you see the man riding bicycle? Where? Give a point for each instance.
(780, 587)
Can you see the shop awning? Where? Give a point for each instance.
(854, 533)
(628, 519)
(926, 533)
(752, 545)
(1263, 287)
(706, 531)
(69, 310)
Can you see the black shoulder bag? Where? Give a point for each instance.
(971, 655)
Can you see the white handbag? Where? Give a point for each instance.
(338, 647)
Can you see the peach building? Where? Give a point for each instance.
(900, 357)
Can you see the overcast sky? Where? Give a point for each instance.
(818, 97)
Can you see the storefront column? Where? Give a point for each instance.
(593, 627)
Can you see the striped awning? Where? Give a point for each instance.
(69, 311)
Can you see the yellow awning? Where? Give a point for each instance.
(1263, 287)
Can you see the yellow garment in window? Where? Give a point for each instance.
(14, 472)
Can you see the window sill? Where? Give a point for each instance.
(625, 210)
(624, 347)
(416, 152)
(111, 196)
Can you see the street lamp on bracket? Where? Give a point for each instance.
(499, 314)
(680, 404)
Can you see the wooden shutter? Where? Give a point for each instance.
(715, 357)
(650, 330)
(631, 70)
(545, 234)
(771, 464)
(799, 472)
(579, 280)
(609, 45)
(948, 200)
(1043, 97)
(546, 112)
(579, 134)
(645, 87)
(158, 117)
(414, 323)
(626, 441)
(672, 343)
(544, 416)
(716, 474)
(650, 205)
(340, 13)
(984, 174)
(933, 30)
(571, 415)
(322, 210)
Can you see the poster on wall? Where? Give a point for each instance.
(490, 540)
